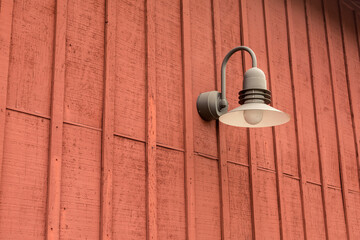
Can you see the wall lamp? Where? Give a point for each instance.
(254, 111)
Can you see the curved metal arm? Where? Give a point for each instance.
(223, 102)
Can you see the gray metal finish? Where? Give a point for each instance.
(223, 69)
(208, 106)
(211, 105)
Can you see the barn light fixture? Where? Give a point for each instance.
(254, 111)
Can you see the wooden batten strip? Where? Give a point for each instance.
(6, 17)
(189, 131)
(221, 131)
(107, 153)
(151, 204)
(56, 127)
(297, 112)
(252, 160)
(279, 172)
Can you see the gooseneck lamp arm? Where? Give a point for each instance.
(253, 98)
(223, 101)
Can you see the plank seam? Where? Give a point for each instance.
(28, 113)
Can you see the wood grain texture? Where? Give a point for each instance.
(354, 214)
(107, 144)
(240, 202)
(169, 91)
(221, 130)
(345, 134)
(261, 139)
(130, 92)
(207, 199)
(252, 161)
(268, 223)
(85, 62)
(280, 81)
(56, 126)
(308, 154)
(337, 227)
(30, 70)
(236, 139)
(6, 17)
(23, 189)
(352, 62)
(188, 121)
(203, 73)
(293, 218)
(101, 138)
(151, 179)
(80, 185)
(316, 228)
(129, 190)
(170, 186)
(324, 104)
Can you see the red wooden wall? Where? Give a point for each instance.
(100, 137)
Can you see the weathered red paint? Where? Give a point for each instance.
(100, 136)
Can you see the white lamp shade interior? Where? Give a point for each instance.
(270, 116)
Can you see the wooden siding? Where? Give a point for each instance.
(100, 136)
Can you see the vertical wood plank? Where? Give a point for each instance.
(208, 206)
(356, 125)
(357, 23)
(171, 222)
(342, 105)
(240, 202)
(129, 190)
(325, 111)
(189, 131)
(24, 177)
(151, 206)
(6, 17)
(282, 133)
(108, 122)
(261, 140)
(56, 127)
(168, 74)
(252, 160)
(350, 28)
(130, 69)
(80, 183)
(203, 73)
(298, 109)
(221, 130)
(84, 86)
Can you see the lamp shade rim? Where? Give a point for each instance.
(271, 116)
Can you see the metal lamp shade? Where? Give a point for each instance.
(270, 116)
